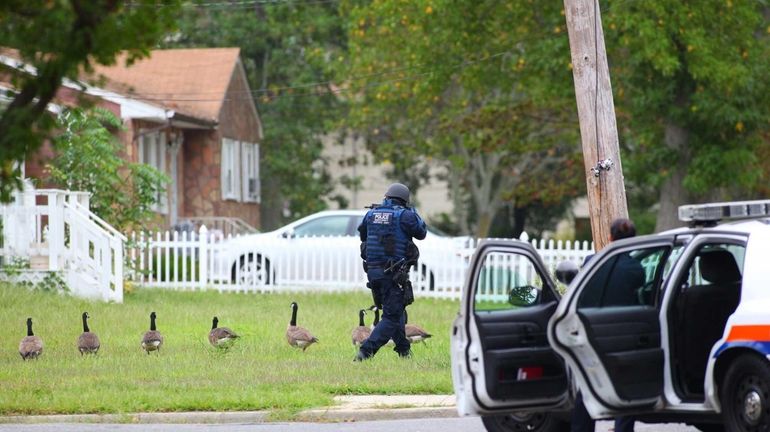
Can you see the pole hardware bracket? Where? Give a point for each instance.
(602, 165)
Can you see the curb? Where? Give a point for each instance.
(144, 418)
(372, 414)
(350, 409)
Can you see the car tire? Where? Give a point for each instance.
(745, 395)
(531, 422)
(245, 270)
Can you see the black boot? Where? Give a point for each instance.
(360, 356)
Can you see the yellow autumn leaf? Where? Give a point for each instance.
(739, 127)
(428, 10)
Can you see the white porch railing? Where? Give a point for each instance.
(202, 260)
(54, 231)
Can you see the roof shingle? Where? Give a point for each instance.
(190, 81)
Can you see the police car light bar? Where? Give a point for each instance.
(727, 210)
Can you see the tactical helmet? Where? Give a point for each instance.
(398, 190)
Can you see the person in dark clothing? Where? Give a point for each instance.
(386, 233)
(620, 228)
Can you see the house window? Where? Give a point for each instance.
(231, 181)
(152, 151)
(250, 160)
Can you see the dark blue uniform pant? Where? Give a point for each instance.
(391, 325)
(581, 421)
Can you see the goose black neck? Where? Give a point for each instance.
(152, 322)
(376, 316)
(85, 323)
(29, 328)
(361, 318)
(214, 323)
(293, 315)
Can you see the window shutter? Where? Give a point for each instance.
(236, 167)
(257, 181)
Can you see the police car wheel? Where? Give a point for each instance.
(746, 395)
(520, 422)
(252, 271)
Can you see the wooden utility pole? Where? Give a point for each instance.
(596, 110)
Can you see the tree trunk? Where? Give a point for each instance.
(519, 220)
(484, 223)
(271, 206)
(672, 192)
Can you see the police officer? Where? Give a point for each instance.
(386, 231)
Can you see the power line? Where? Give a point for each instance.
(235, 4)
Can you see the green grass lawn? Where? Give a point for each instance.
(260, 372)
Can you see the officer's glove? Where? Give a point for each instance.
(400, 279)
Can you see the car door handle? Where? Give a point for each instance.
(643, 341)
(527, 339)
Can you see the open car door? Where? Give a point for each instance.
(501, 360)
(607, 327)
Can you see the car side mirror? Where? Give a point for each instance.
(566, 271)
(523, 296)
(289, 233)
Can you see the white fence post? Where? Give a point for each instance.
(203, 262)
(55, 237)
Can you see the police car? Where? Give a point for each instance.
(671, 327)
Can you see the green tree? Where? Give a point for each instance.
(691, 87)
(461, 82)
(59, 39)
(287, 49)
(88, 158)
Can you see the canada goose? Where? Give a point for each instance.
(31, 346)
(221, 337)
(413, 332)
(376, 315)
(88, 342)
(298, 337)
(152, 339)
(362, 332)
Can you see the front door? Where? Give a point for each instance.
(608, 327)
(501, 359)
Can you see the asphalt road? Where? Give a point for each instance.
(472, 424)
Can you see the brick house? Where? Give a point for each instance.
(208, 142)
(189, 113)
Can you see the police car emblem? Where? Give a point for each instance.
(381, 218)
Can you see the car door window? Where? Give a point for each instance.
(507, 281)
(708, 291)
(324, 226)
(628, 278)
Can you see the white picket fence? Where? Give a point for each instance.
(208, 260)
